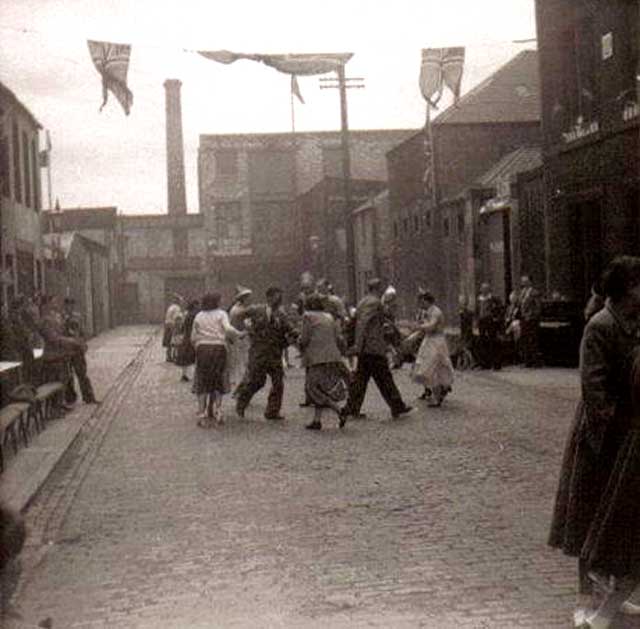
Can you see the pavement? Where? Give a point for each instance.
(107, 357)
(438, 520)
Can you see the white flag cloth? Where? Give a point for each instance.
(293, 64)
(112, 62)
(441, 67)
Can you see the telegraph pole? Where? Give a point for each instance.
(342, 83)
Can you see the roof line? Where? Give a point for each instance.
(480, 87)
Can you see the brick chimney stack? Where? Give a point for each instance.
(176, 192)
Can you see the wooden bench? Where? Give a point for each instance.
(13, 416)
(46, 397)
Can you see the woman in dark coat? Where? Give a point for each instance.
(598, 452)
(187, 352)
(326, 374)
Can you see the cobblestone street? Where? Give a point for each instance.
(438, 520)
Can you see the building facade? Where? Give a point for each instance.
(499, 116)
(161, 256)
(373, 241)
(590, 56)
(78, 267)
(249, 187)
(323, 218)
(21, 250)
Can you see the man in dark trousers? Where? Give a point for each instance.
(73, 328)
(371, 352)
(490, 322)
(530, 311)
(269, 333)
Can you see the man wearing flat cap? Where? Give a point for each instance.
(371, 351)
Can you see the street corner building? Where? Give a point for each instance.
(21, 249)
(590, 57)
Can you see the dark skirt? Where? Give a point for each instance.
(166, 336)
(211, 362)
(582, 486)
(326, 384)
(613, 544)
(186, 354)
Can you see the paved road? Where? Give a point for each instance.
(438, 520)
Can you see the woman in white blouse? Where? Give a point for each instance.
(210, 333)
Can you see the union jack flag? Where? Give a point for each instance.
(112, 62)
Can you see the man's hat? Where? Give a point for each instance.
(242, 291)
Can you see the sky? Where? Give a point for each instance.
(109, 159)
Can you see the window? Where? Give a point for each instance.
(460, 225)
(416, 223)
(405, 225)
(427, 219)
(395, 229)
(271, 174)
(17, 174)
(35, 172)
(26, 169)
(446, 227)
(5, 189)
(228, 220)
(226, 163)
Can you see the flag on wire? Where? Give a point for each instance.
(293, 64)
(441, 67)
(45, 155)
(112, 62)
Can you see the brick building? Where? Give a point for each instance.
(373, 240)
(499, 116)
(21, 250)
(161, 255)
(249, 186)
(590, 56)
(322, 217)
(78, 267)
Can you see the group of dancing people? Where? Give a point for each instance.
(235, 350)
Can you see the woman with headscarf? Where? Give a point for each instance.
(326, 373)
(597, 512)
(433, 368)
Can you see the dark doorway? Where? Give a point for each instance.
(586, 244)
(129, 306)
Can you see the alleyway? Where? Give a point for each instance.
(438, 520)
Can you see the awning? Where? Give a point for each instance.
(497, 204)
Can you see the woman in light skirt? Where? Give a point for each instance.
(433, 368)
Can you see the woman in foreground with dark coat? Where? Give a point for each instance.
(326, 373)
(597, 511)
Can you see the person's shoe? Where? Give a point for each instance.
(305, 404)
(184, 378)
(92, 401)
(403, 411)
(274, 417)
(314, 426)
